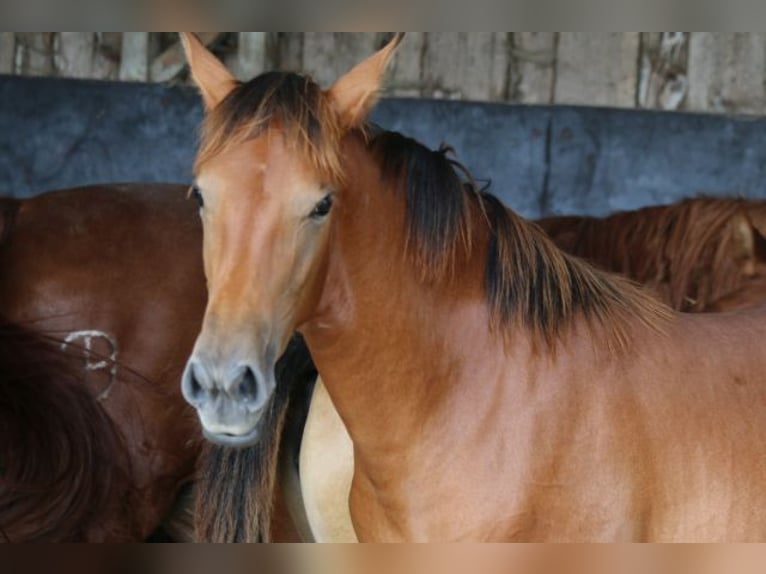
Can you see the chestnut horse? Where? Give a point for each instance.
(494, 387)
(690, 253)
(687, 253)
(103, 293)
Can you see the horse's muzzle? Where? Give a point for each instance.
(230, 402)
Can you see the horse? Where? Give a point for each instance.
(494, 387)
(690, 253)
(102, 292)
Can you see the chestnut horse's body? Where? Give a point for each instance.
(690, 253)
(494, 388)
(109, 276)
(102, 292)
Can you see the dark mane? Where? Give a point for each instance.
(692, 252)
(528, 280)
(62, 462)
(438, 221)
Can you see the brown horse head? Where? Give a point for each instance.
(267, 177)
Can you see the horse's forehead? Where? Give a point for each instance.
(265, 165)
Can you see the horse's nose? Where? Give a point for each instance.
(239, 384)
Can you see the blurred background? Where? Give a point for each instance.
(558, 122)
(695, 71)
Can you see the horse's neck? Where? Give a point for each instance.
(392, 349)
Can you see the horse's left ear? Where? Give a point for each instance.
(214, 80)
(749, 242)
(356, 92)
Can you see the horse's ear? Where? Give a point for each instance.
(749, 242)
(214, 80)
(743, 235)
(356, 92)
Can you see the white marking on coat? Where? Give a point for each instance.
(85, 341)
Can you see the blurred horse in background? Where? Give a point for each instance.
(691, 253)
(102, 290)
(64, 468)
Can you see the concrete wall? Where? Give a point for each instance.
(540, 159)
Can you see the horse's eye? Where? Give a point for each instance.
(197, 194)
(322, 208)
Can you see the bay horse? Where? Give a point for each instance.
(690, 253)
(494, 387)
(102, 292)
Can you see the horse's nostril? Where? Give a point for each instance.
(196, 388)
(194, 391)
(248, 386)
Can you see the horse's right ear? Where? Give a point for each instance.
(356, 92)
(214, 80)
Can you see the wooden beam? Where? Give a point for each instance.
(727, 72)
(329, 55)
(485, 63)
(167, 65)
(134, 59)
(74, 54)
(250, 59)
(78, 55)
(289, 51)
(7, 52)
(597, 68)
(663, 77)
(405, 79)
(36, 53)
(533, 65)
(466, 65)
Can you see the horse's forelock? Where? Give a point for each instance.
(292, 103)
